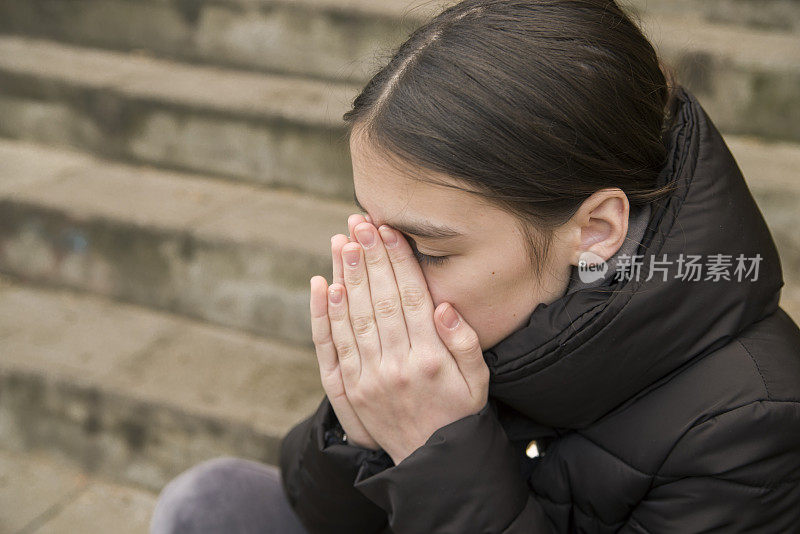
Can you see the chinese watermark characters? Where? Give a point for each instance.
(686, 267)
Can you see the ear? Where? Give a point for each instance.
(602, 221)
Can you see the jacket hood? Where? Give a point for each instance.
(584, 354)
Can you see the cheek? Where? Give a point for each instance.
(468, 292)
(440, 291)
(485, 295)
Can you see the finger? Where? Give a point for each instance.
(362, 317)
(330, 370)
(352, 221)
(342, 335)
(321, 328)
(415, 297)
(463, 343)
(384, 293)
(337, 242)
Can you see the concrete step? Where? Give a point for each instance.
(770, 15)
(41, 494)
(225, 252)
(772, 170)
(747, 80)
(285, 131)
(334, 39)
(228, 253)
(790, 301)
(137, 395)
(264, 129)
(749, 77)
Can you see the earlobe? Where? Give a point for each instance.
(603, 224)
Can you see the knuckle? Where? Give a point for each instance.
(396, 341)
(430, 367)
(354, 278)
(403, 257)
(338, 314)
(387, 308)
(468, 340)
(413, 298)
(318, 339)
(398, 378)
(374, 260)
(322, 345)
(337, 393)
(404, 261)
(331, 383)
(346, 350)
(363, 325)
(402, 381)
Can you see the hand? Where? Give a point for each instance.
(405, 373)
(327, 358)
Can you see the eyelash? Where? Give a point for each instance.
(425, 258)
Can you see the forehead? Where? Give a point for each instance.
(392, 193)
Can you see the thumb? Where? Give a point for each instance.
(462, 342)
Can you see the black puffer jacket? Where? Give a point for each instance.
(657, 406)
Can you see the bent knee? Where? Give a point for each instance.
(197, 499)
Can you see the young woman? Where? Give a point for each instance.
(558, 312)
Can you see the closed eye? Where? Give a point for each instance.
(430, 260)
(425, 258)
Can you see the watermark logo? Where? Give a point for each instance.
(591, 267)
(686, 267)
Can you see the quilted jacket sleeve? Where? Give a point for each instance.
(318, 475)
(465, 478)
(738, 471)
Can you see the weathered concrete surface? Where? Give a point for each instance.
(39, 494)
(224, 252)
(138, 395)
(104, 508)
(286, 131)
(266, 129)
(30, 488)
(333, 39)
(747, 80)
(769, 15)
(772, 171)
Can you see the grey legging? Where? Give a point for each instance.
(225, 495)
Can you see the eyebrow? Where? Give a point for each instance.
(419, 229)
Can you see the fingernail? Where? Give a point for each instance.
(351, 257)
(335, 294)
(450, 317)
(388, 236)
(365, 237)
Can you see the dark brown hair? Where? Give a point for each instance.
(533, 105)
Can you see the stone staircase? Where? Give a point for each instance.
(172, 171)
(42, 495)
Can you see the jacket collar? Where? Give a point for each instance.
(587, 352)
